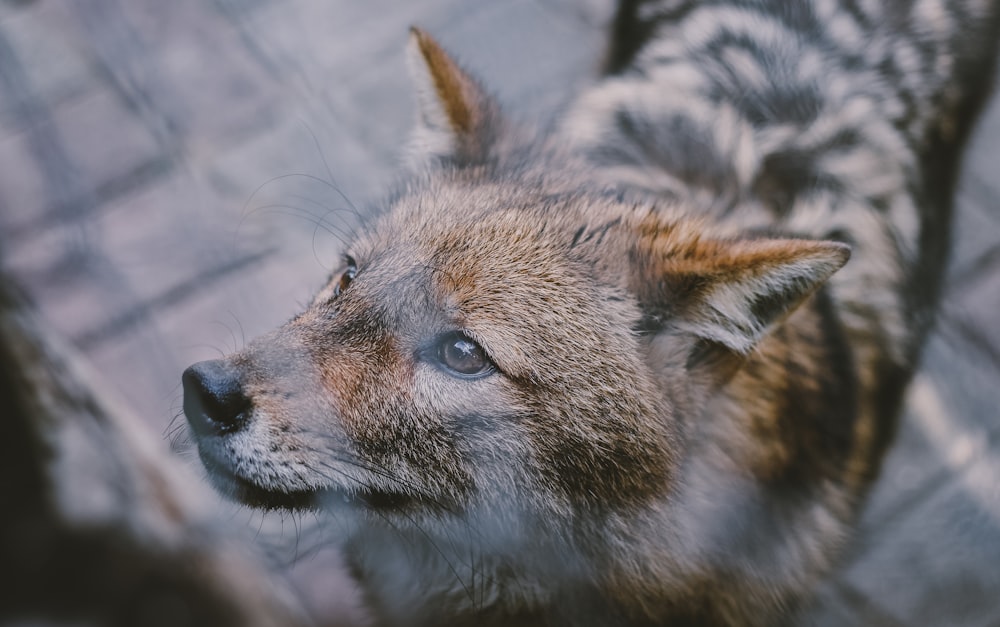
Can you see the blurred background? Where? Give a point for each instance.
(176, 178)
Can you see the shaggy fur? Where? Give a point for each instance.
(615, 375)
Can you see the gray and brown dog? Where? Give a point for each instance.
(608, 375)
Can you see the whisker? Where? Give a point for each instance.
(326, 164)
(345, 233)
(213, 347)
(245, 213)
(302, 213)
(243, 335)
(227, 328)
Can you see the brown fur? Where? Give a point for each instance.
(448, 86)
(676, 421)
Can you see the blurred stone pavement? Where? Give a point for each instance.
(175, 177)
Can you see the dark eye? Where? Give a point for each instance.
(461, 355)
(347, 276)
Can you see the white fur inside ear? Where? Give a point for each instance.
(739, 313)
(433, 135)
(726, 319)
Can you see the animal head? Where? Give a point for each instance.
(504, 339)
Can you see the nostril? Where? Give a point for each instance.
(214, 402)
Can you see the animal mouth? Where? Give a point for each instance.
(247, 492)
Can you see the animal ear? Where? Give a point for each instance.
(730, 292)
(457, 118)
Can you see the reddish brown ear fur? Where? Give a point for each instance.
(457, 117)
(730, 292)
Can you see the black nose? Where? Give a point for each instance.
(214, 402)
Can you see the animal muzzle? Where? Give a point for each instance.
(214, 401)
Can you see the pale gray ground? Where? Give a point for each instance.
(134, 133)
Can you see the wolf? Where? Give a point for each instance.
(639, 368)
